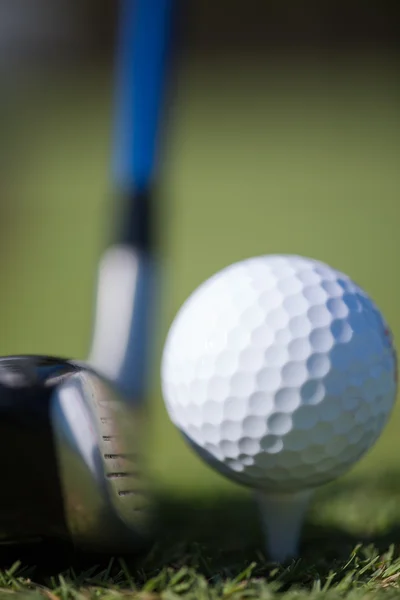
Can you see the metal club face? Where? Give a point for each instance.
(72, 448)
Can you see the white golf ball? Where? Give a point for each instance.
(280, 371)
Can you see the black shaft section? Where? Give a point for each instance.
(137, 227)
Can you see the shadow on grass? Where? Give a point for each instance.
(365, 510)
(222, 534)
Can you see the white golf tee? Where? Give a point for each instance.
(283, 516)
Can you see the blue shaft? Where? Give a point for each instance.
(142, 66)
(142, 58)
(126, 301)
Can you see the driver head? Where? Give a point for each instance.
(72, 465)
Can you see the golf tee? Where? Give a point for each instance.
(282, 517)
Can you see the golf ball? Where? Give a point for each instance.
(280, 371)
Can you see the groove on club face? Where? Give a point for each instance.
(122, 462)
(96, 433)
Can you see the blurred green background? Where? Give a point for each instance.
(290, 147)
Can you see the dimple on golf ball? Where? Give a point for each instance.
(280, 371)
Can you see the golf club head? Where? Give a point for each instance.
(71, 469)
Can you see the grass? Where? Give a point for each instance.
(213, 549)
(271, 158)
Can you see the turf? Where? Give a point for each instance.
(260, 159)
(212, 549)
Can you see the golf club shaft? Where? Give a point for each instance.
(127, 278)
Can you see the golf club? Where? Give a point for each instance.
(83, 466)
(73, 444)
